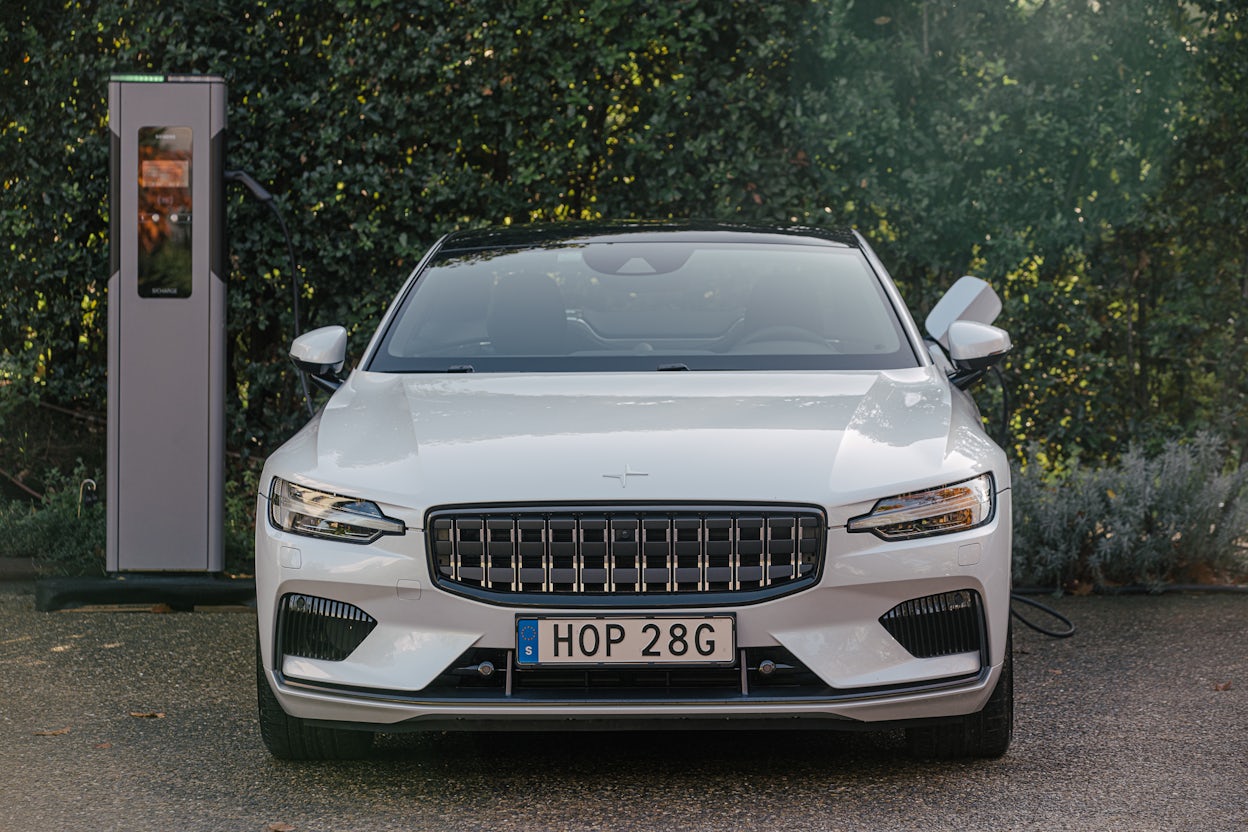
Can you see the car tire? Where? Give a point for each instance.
(985, 734)
(291, 738)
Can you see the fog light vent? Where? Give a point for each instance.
(938, 625)
(318, 628)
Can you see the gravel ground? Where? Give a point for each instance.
(133, 720)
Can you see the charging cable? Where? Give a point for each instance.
(260, 193)
(1068, 627)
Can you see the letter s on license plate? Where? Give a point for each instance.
(622, 640)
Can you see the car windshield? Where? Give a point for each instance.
(633, 306)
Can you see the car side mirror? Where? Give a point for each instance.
(973, 348)
(970, 299)
(321, 354)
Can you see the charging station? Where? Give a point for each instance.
(166, 324)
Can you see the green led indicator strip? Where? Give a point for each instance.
(140, 79)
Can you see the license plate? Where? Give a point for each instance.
(622, 640)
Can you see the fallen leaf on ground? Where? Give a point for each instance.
(148, 714)
(279, 827)
(162, 608)
(103, 745)
(1220, 686)
(57, 733)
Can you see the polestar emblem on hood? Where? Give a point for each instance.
(623, 478)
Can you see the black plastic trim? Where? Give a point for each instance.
(541, 698)
(217, 257)
(114, 202)
(284, 613)
(684, 600)
(903, 635)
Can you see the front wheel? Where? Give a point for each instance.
(291, 738)
(985, 734)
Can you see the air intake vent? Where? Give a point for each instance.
(617, 551)
(938, 625)
(318, 628)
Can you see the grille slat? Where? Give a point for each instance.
(626, 550)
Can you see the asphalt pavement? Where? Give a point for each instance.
(137, 720)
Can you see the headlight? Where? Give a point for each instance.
(301, 510)
(950, 508)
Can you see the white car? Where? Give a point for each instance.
(642, 475)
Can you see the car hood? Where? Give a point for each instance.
(410, 442)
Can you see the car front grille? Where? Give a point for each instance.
(611, 552)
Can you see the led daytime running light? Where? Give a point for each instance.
(950, 508)
(312, 513)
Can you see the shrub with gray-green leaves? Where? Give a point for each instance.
(1177, 516)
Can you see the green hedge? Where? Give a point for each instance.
(1083, 157)
(380, 130)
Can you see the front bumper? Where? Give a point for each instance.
(853, 671)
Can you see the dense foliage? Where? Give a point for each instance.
(1082, 155)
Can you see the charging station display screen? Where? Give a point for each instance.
(165, 212)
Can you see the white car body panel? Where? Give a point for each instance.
(410, 443)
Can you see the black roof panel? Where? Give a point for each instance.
(642, 231)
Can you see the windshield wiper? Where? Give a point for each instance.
(460, 368)
(664, 368)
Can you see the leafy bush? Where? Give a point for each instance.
(240, 520)
(60, 536)
(63, 537)
(1177, 516)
